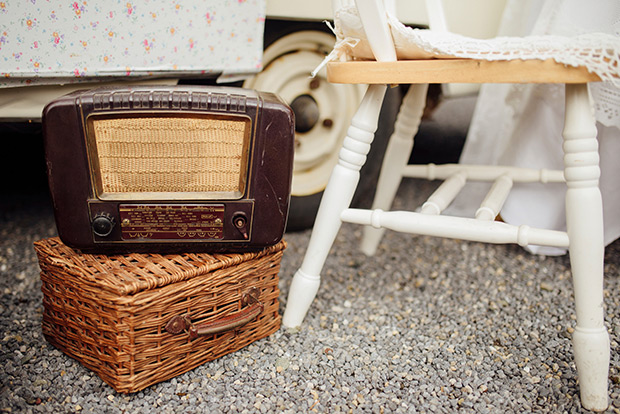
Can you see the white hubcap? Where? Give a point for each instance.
(323, 110)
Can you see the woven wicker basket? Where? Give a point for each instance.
(140, 319)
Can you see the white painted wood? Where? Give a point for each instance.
(495, 198)
(395, 159)
(373, 17)
(436, 16)
(336, 198)
(345, 176)
(584, 220)
(455, 227)
(390, 7)
(484, 173)
(444, 194)
(336, 5)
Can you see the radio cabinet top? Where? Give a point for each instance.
(181, 168)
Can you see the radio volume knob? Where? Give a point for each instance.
(240, 221)
(102, 224)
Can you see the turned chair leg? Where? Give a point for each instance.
(395, 159)
(336, 198)
(584, 220)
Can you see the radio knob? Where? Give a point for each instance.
(240, 221)
(102, 224)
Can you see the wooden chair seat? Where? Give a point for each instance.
(457, 71)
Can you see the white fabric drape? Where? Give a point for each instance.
(521, 125)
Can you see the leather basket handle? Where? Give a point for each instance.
(182, 323)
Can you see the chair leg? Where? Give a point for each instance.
(584, 215)
(336, 198)
(395, 159)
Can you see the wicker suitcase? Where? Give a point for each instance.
(138, 319)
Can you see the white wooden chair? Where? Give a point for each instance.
(584, 237)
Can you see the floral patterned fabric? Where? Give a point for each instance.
(42, 40)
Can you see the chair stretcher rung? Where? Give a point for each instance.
(483, 173)
(444, 194)
(495, 199)
(456, 227)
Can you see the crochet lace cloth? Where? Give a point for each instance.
(598, 52)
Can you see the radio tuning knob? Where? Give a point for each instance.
(240, 222)
(102, 224)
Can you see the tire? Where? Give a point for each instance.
(323, 111)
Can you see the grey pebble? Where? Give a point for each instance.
(428, 326)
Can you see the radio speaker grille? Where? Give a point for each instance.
(171, 154)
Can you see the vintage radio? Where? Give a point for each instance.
(169, 168)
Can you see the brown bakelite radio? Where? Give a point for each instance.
(169, 168)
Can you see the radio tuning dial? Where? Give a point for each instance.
(102, 224)
(240, 221)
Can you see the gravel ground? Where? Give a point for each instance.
(429, 325)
